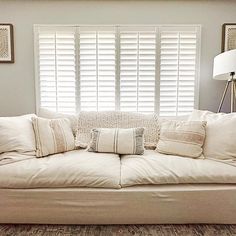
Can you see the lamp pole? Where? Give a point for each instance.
(232, 90)
(223, 96)
(231, 81)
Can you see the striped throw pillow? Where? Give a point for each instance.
(182, 138)
(115, 140)
(52, 136)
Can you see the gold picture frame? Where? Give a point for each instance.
(228, 37)
(6, 43)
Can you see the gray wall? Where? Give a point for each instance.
(17, 95)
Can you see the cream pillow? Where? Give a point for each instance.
(182, 138)
(45, 113)
(52, 136)
(115, 119)
(120, 141)
(17, 134)
(220, 140)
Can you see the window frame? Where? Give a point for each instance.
(198, 28)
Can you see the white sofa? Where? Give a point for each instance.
(80, 187)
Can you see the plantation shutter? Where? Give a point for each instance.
(178, 70)
(137, 69)
(57, 79)
(128, 68)
(97, 64)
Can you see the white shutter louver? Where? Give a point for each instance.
(178, 68)
(128, 68)
(97, 69)
(56, 51)
(137, 70)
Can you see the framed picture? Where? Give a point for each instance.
(6, 43)
(228, 36)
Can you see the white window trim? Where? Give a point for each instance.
(36, 70)
(198, 49)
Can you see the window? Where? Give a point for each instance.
(126, 68)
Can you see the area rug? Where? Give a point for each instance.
(113, 230)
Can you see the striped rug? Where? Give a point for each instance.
(113, 230)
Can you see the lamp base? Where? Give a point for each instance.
(231, 82)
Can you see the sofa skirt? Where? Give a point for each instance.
(163, 204)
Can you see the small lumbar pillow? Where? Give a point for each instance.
(52, 136)
(220, 140)
(115, 140)
(182, 138)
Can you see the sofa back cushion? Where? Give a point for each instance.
(182, 138)
(115, 140)
(17, 134)
(90, 120)
(52, 136)
(220, 140)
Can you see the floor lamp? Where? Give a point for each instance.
(224, 69)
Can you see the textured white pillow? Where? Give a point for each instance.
(201, 115)
(52, 136)
(220, 140)
(17, 134)
(183, 138)
(120, 141)
(90, 120)
(45, 113)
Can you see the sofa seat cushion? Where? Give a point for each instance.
(157, 168)
(77, 168)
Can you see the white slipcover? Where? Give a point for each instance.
(157, 168)
(77, 168)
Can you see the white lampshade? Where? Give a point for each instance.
(224, 64)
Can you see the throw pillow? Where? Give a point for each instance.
(52, 136)
(113, 119)
(45, 113)
(17, 134)
(182, 138)
(220, 140)
(120, 141)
